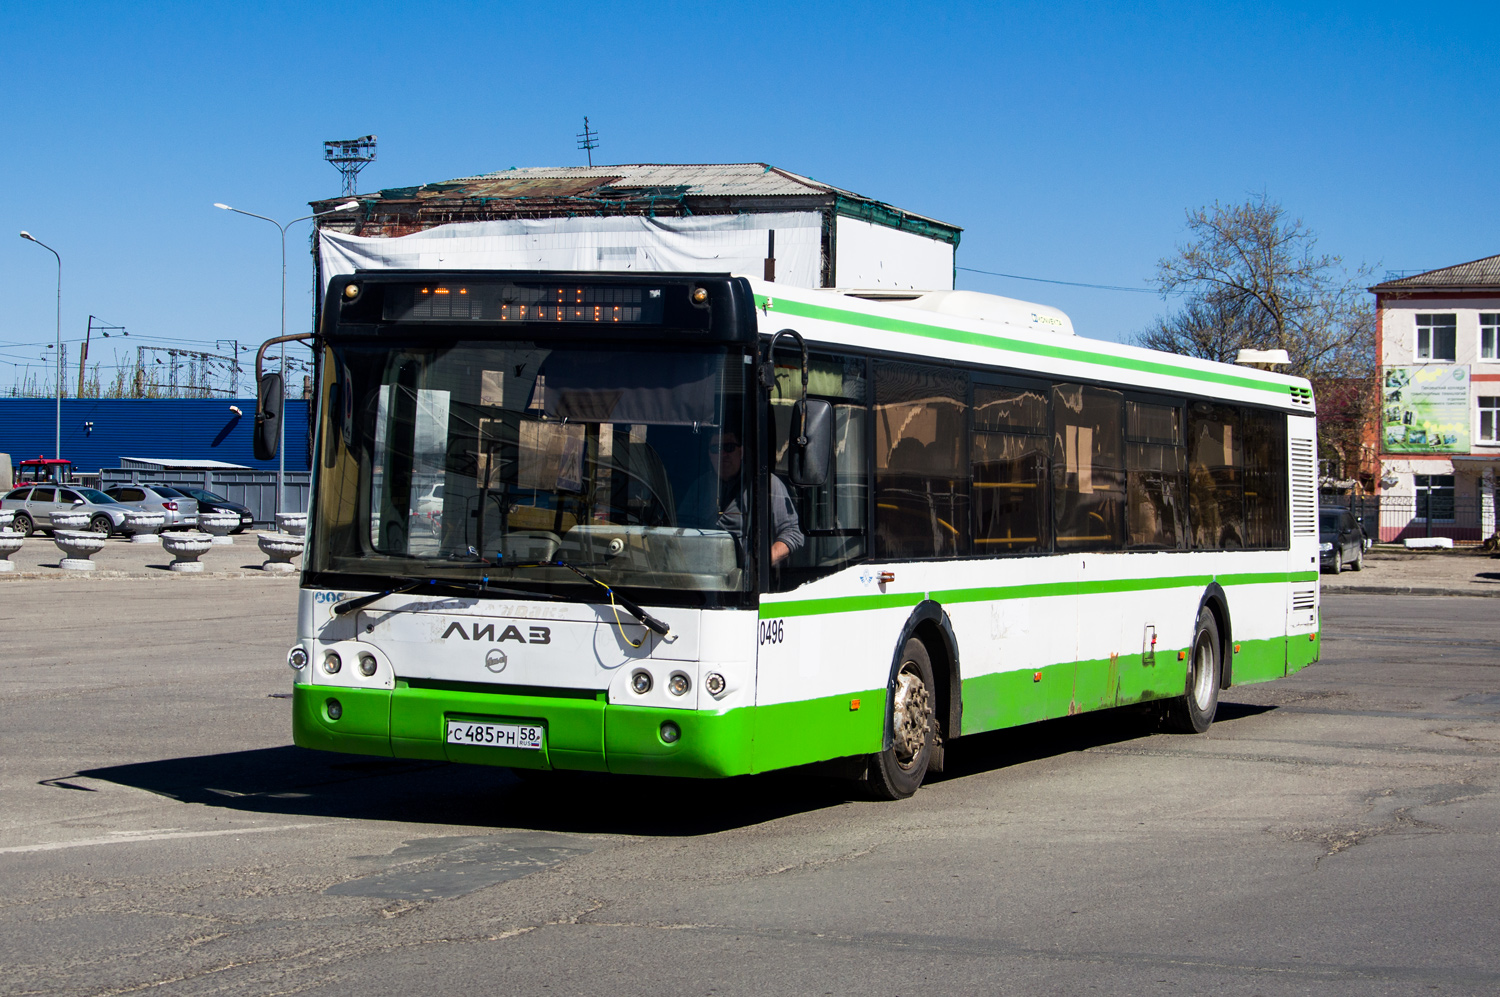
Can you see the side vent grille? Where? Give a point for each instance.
(1304, 489)
(1304, 599)
(1302, 396)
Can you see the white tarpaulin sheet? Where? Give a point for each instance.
(704, 243)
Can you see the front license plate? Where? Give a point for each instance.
(527, 736)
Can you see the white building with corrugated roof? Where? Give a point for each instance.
(745, 218)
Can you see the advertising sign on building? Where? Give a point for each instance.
(1426, 409)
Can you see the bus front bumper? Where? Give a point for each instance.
(582, 731)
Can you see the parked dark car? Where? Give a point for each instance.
(214, 502)
(1341, 539)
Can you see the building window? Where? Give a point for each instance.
(1434, 498)
(1437, 337)
(1489, 419)
(1489, 335)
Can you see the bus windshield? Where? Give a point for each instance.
(474, 460)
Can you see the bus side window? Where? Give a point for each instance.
(1265, 480)
(1088, 467)
(1216, 498)
(1009, 469)
(1155, 489)
(921, 461)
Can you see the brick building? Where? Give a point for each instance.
(1438, 338)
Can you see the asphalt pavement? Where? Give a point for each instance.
(1334, 833)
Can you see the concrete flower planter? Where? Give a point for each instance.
(292, 524)
(10, 542)
(186, 548)
(69, 520)
(218, 525)
(76, 546)
(280, 548)
(6, 516)
(144, 526)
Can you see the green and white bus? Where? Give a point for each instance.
(703, 525)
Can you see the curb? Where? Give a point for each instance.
(1490, 591)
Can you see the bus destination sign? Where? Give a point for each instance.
(528, 303)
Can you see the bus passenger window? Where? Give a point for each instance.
(1155, 492)
(1265, 480)
(1009, 469)
(1216, 501)
(1088, 467)
(921, 461)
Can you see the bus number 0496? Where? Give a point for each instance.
(772, 631)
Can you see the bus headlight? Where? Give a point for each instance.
(679, 684)
(332, 662)
(296, 658)
(714, 683)
(641, 682)
(367, 664)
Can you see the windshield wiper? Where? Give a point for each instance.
(439, 587)
(649, 621)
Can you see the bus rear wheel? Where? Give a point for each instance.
(897, 771)
(1193, 711)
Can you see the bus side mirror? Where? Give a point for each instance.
(810, 456)
(268, 417)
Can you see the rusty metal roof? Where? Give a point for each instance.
(1475, 275)
(665, 188)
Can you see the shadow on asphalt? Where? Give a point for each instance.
(292, 781)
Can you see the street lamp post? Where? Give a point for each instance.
(58, 357)
(281, 442)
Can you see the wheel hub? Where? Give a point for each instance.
(911, 718)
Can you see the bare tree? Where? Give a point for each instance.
(1251, 277)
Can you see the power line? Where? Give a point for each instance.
(1067, 283)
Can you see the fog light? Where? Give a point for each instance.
(332, 662)
(714, 683)
(641, 682)
(670, 732)
(351, 291)
(700, 295)
(335, 709)
(367, 664)
(296, 658)
(678, 684)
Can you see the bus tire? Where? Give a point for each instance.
(897, 771)
(1193, 711)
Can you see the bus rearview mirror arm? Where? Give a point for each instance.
(269, 397)
(810, 455)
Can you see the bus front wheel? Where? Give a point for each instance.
(897, 772)
(1193, 711)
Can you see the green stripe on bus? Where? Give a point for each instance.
(864, 603)
(787, 306)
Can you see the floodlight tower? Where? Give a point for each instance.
(349, 156)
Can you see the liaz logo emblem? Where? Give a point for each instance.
(535, 635)
(496, 660)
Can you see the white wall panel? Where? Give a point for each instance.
(868, 256)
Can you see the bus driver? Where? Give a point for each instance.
(728, 456)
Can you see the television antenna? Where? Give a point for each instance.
(588, 140)
(349, 156)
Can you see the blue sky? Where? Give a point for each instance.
(1067, 139)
